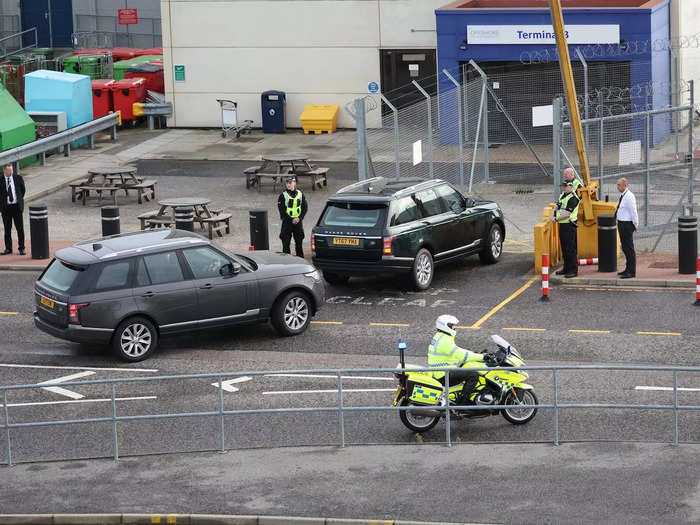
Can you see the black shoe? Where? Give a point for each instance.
(627, 276)
(560, 272)
(22, 252)
(6, 252)
(571, 275)
(620, 273)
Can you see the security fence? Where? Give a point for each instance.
(214, 423)
(105, 31)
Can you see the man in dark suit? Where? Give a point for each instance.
(11, 207)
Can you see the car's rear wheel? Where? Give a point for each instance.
(494, 245)
(423, 270)
(336, 278)
(135, 339)
(291, 314)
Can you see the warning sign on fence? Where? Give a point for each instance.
(128, 16)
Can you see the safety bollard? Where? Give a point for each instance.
(607, 243)
(184, 218)
(259, 237)
(687, 244)
(545, 277)
(110, 221)
(587, 262)
(697, 283)
(39, 231)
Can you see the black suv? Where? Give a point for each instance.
(403, 226)
(128, 290)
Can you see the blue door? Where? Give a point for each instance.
(53, 20)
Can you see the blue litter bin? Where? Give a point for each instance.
(273, 111)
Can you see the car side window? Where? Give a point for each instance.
(405, 210)
(113, 276)
(429, 203)
(163, 267)
(451, 197)
(205, 262)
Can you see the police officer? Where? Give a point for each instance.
(570, 176)
(566, 215)
(292, 207)
(443, 352)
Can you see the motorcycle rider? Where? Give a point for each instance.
(443, 352)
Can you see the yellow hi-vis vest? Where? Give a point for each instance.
(563, 201)
(443, 352)
(292, 204)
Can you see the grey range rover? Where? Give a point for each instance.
(129, 290)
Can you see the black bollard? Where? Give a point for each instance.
(110, 221)
(687, 244)
(259, 237)
(607, 243)
(39, 231)
(184, 218)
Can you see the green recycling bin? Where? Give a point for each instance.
(121, 66)
(94, 66)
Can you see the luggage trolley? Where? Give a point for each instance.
(229, 119)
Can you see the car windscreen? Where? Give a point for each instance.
(353, 215)
(61, 275)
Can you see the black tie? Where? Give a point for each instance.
(10, 195)
(618, 203)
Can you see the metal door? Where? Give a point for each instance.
(400, 67)
(53, 20)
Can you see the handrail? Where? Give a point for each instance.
(19, 35)
(340, 408)
(61, 139)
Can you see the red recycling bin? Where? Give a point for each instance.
(102, 102)
(125, 93)
(152, 73)
(151, 51)
(124, 53)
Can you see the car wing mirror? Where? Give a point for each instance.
(230, 269)
(469, 202)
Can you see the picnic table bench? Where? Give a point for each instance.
(85, 192)
(146, 190)
(75, 192)
(218, 222)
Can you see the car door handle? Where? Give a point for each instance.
(206, 286)
(147, 294)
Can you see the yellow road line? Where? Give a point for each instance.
(9, 313)
(504, 302)
(326, 322)
(520, 251)
(526, 329)
(574, 331)
(390, 324)
(659, 333)
(521, 243)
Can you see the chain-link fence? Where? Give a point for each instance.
(105, 31)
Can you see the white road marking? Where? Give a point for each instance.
(79, 368)
(666, 388)
(40, 403)
(226, 385)
(64, 379)
(334, 391)
(333, 377)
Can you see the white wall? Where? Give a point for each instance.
(317, 51)
(689, 25)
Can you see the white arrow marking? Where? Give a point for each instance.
(64, 391)
(226, 385)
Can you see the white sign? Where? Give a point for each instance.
(630, 153)
(517, 34)
(542, 116)
(496, 85)
(417, 152)
(372, 87)
(413, 67)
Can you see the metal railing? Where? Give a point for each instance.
(61, 139)
(341, 409)
(3, 48)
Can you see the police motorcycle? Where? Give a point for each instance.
(424, 393)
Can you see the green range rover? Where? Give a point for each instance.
(404, 226)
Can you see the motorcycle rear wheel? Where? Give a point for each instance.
(415, 422)
(520, 416)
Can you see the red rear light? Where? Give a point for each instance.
(387, 245)
(73, 312)
(313, 242)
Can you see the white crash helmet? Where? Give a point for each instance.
(446, 323)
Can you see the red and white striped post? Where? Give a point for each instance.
(697, 283)
(587, 262)
(545, 277)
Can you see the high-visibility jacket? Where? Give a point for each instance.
(443, 352)
(292, 204)
(577, 184)
(566, 204)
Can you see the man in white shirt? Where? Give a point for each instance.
(627, 224)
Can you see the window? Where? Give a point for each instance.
(353, 214)
(60, 276)
(142, 278)
(113, 276)
(429, 203)
(205, 262)
(405, 210)
(163, 267)
(451, 197)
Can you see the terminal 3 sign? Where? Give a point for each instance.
(542, 34)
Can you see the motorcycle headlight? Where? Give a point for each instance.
(315, 275)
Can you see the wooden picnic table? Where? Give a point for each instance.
(109, 180)
(277, 166)
(108, 175)
(208, 218)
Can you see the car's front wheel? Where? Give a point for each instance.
(291, 314)
(494, 245)
(135, 339)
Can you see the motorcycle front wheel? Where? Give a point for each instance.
(516, 415)
(415, 422)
